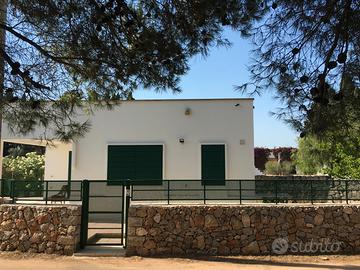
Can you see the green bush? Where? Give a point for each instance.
(276, 168)
(313, 156)
(272, 167)
(29, 167)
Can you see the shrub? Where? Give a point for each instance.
(272, 167)
(287, 167)
(29, 167)
(276, 168)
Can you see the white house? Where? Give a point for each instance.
(157, 139)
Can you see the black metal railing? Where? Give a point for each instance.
(22, 191)
(192, 191)
(250, 191)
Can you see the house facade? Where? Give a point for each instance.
(209, 139)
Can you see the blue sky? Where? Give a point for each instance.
(215, 77)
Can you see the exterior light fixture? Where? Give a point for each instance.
(181, 140)
(187, 111)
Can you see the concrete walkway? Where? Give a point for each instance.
(101, 251)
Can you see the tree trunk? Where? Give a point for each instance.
(3, 12)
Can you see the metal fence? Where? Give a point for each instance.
(191, 191)
(49, 191)
(250, 191)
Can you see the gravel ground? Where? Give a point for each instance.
(24, 261)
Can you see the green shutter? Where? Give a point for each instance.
(135, 162)
(213, 164)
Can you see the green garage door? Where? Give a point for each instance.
(213, 164)
(135, 162)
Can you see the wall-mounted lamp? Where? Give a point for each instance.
(187, 111)
(181, 140)
(237, 105)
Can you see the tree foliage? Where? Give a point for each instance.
(333, 155)
(304, 49)
(309, 52)
(312, 156)
(29, 167)
(346, 160)
(92, 52)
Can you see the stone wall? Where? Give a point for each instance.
(40, 229)
(225, 230)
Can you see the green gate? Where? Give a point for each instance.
(104, 213)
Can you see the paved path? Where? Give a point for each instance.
(43, 262)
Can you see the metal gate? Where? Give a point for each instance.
(104, 213)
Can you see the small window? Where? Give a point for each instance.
(213, 164)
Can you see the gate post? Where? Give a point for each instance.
(84, 214)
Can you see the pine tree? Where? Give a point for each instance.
(63, 57)
(303, 49)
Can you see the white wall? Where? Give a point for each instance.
(56, 161)
(164, 122)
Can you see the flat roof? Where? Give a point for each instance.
(194, 99)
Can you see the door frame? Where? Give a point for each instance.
(213, 143)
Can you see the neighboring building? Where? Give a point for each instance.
(157, 139)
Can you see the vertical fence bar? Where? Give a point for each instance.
(84, 214)
(311, 192)
(276, 191)
(168, 192)
(81, 190)
(127, 205)
(46, 191)
(69, 175)
(2, 190)
(240, 191)
(132, 189)
(347, 191)
(12, 191)
(123, 213)
(204, 193)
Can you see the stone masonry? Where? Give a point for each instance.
(234, 230)
(40, 229)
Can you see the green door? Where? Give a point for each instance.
(213, 164)
(135, 162)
